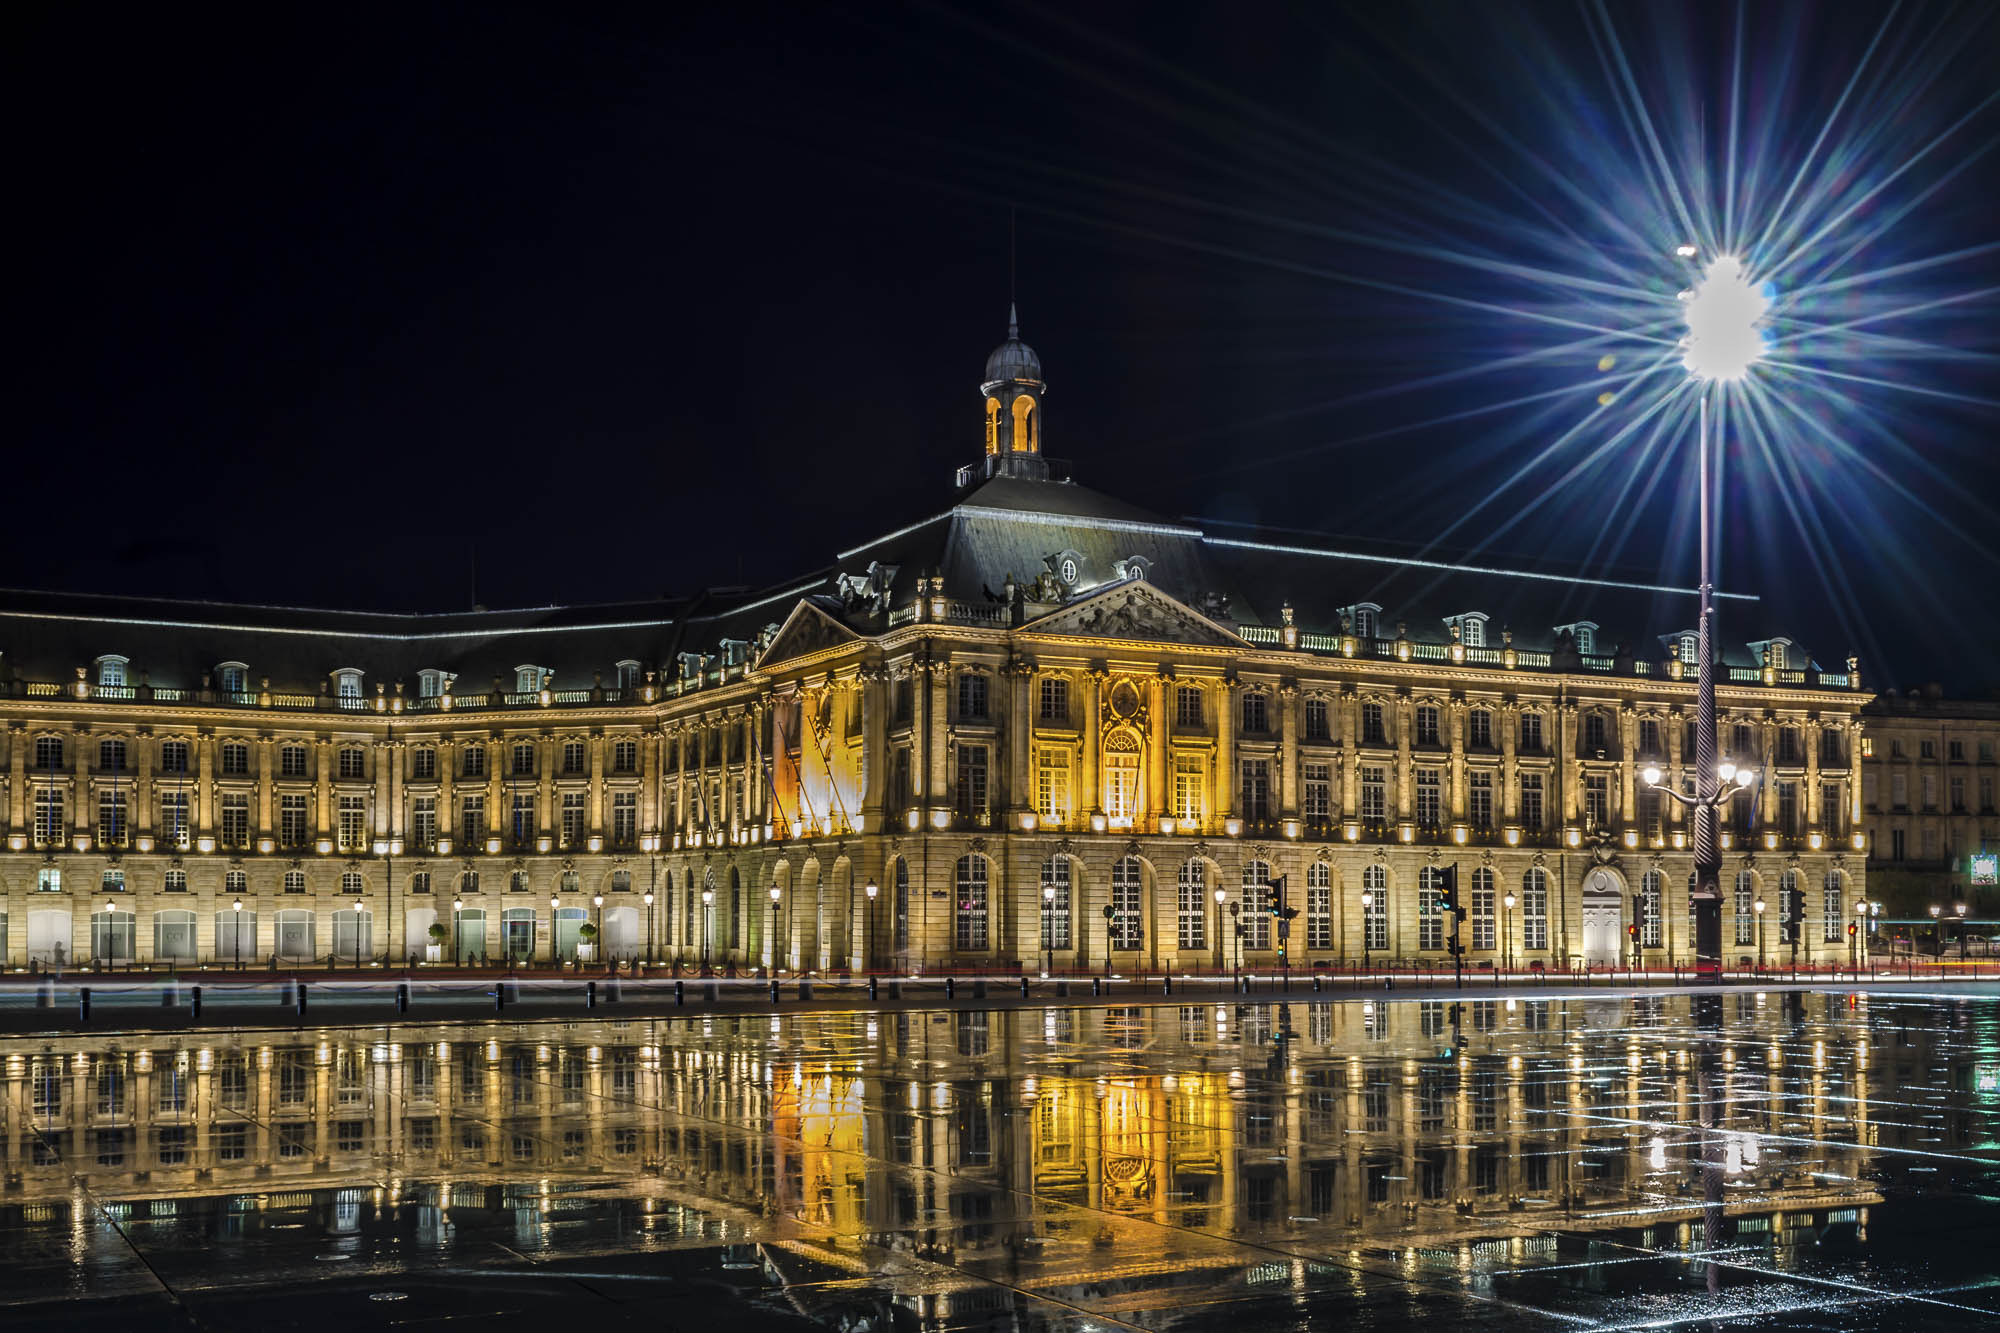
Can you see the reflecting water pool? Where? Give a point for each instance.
(1809, 1161)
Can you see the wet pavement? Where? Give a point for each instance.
(1771, 1160)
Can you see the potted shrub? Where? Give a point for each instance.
(434, 951)
(586, 943)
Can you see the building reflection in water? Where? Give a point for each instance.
(1081, 1154)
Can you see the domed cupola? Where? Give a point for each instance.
(1013, 391)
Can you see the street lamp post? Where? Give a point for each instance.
(358, 951)
(1048, 929)
(457, 945)
(868, 890)
(236, 932)
(1758, 908)
(1959, 908)
(648, 900)
(1367, 902)
(1937, 933)
(1723, 311)
(1221, 944)
(597, 901)
(707, 924)
(1236, 929)
(771, 945)
(554, 959)
(1854, 941)
(1507, 933)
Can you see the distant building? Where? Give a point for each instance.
(1928, 772)
(1047, 725)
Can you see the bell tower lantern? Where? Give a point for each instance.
(1013, 392)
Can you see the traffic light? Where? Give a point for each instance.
(1851, 928)
(1795, 914)
(1632, 933)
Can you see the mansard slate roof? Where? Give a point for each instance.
(1007, 528)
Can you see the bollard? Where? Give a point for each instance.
(774, 990)
(950, 986)
(499, 997)
(83, 1003)
(680, 993)
(590, 995)
(1024, 988)
(302, 999)
(402, 997)
(1315, 983)
(194, 998)
(871, 988)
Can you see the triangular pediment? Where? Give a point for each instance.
(1137, 611)
(808, 630)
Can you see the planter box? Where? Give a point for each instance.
(585, 952)
(433, 953)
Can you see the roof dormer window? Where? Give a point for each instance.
(1366, 618)
(347, 682)
(111, 670)
(1471, 628)
(432, 682)
(628, 674)
(233, 678)
(1584, 632)
(528, 679)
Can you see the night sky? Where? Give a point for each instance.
(328, 307)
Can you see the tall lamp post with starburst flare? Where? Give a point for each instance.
(1724, 311)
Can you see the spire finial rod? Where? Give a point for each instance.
(1013, 319)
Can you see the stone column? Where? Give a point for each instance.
(265, 785)
(1224, 803)
(1159, 770)
(143, 793)
(1510, 787)
(1405, 721)
(1288, 749)
(1089, 797)
(1457, 802)
(322, 749)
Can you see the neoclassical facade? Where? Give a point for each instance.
(1049, 728)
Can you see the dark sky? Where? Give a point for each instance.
(316, 306)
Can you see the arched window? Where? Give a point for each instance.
(970, 918)
(1319, 906)
(1256, 906)
(1055, 903)
(1535, 909)
(1690, 649)
(1483, 895)
(350, 881)
(735, 906)
(992, 425)
(1652, 885)
(233, 678)
(1121, 778)
(1128, 920)
(111, 671)
(1746, 916)
(468, 882)
(295, 933)
(517, 882)
(1024, 425)
(1430, 908)
(1375, 906)
(347, 683)
(173, 936)
(111, 936)
(353, 933)
(1832, 911)
(902, 904)
(1193, 880)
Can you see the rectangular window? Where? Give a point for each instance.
(353, 764)
(1957, 788)
(235, 759)
(472, 821)
(1193, 904)
(1430, 911)
(1427, 724)
(1479, 799)
(1594, 733)
(625, 818)
(1187, 706)
(423, 764)
(1531, 802)
(1535, 913)
(1372, 731)
(472, 759)
(1318, 721)
(292, 761)
(1188, 788)
(523, 762)
(175, 830)
(1318, 792)
(1479, 729)
(236, 820)
(1531, 733)
(1832, 808)
(48, 752)
(1788, 809)
(1650, 746)
(970, 925)
(972, 774)
(1746, 920)
(1430, 797)
(1831, 911)
(1930, 791)
(573, 818)
(423, 823)
(1256, 919)
(1374, 795)
(293, 829)
(1256, 712)
(625, 756)
(48, 816)
(521, 829)
(1055, 699)
(575, 759)
(111, 820)
(353, 823)
(1651, 930)
(1052, 785)
(1056, 905)
(1257, 790)
(1597, 801)
(1899, 791)
(971, 697)
(111, 756)
(173, 756)
(1482, 918)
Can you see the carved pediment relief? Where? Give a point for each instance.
(806, 631)
(1138, 611)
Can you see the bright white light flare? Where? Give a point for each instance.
(1723, 314)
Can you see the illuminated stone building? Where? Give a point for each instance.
(1048, 726)
(1928, 773)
